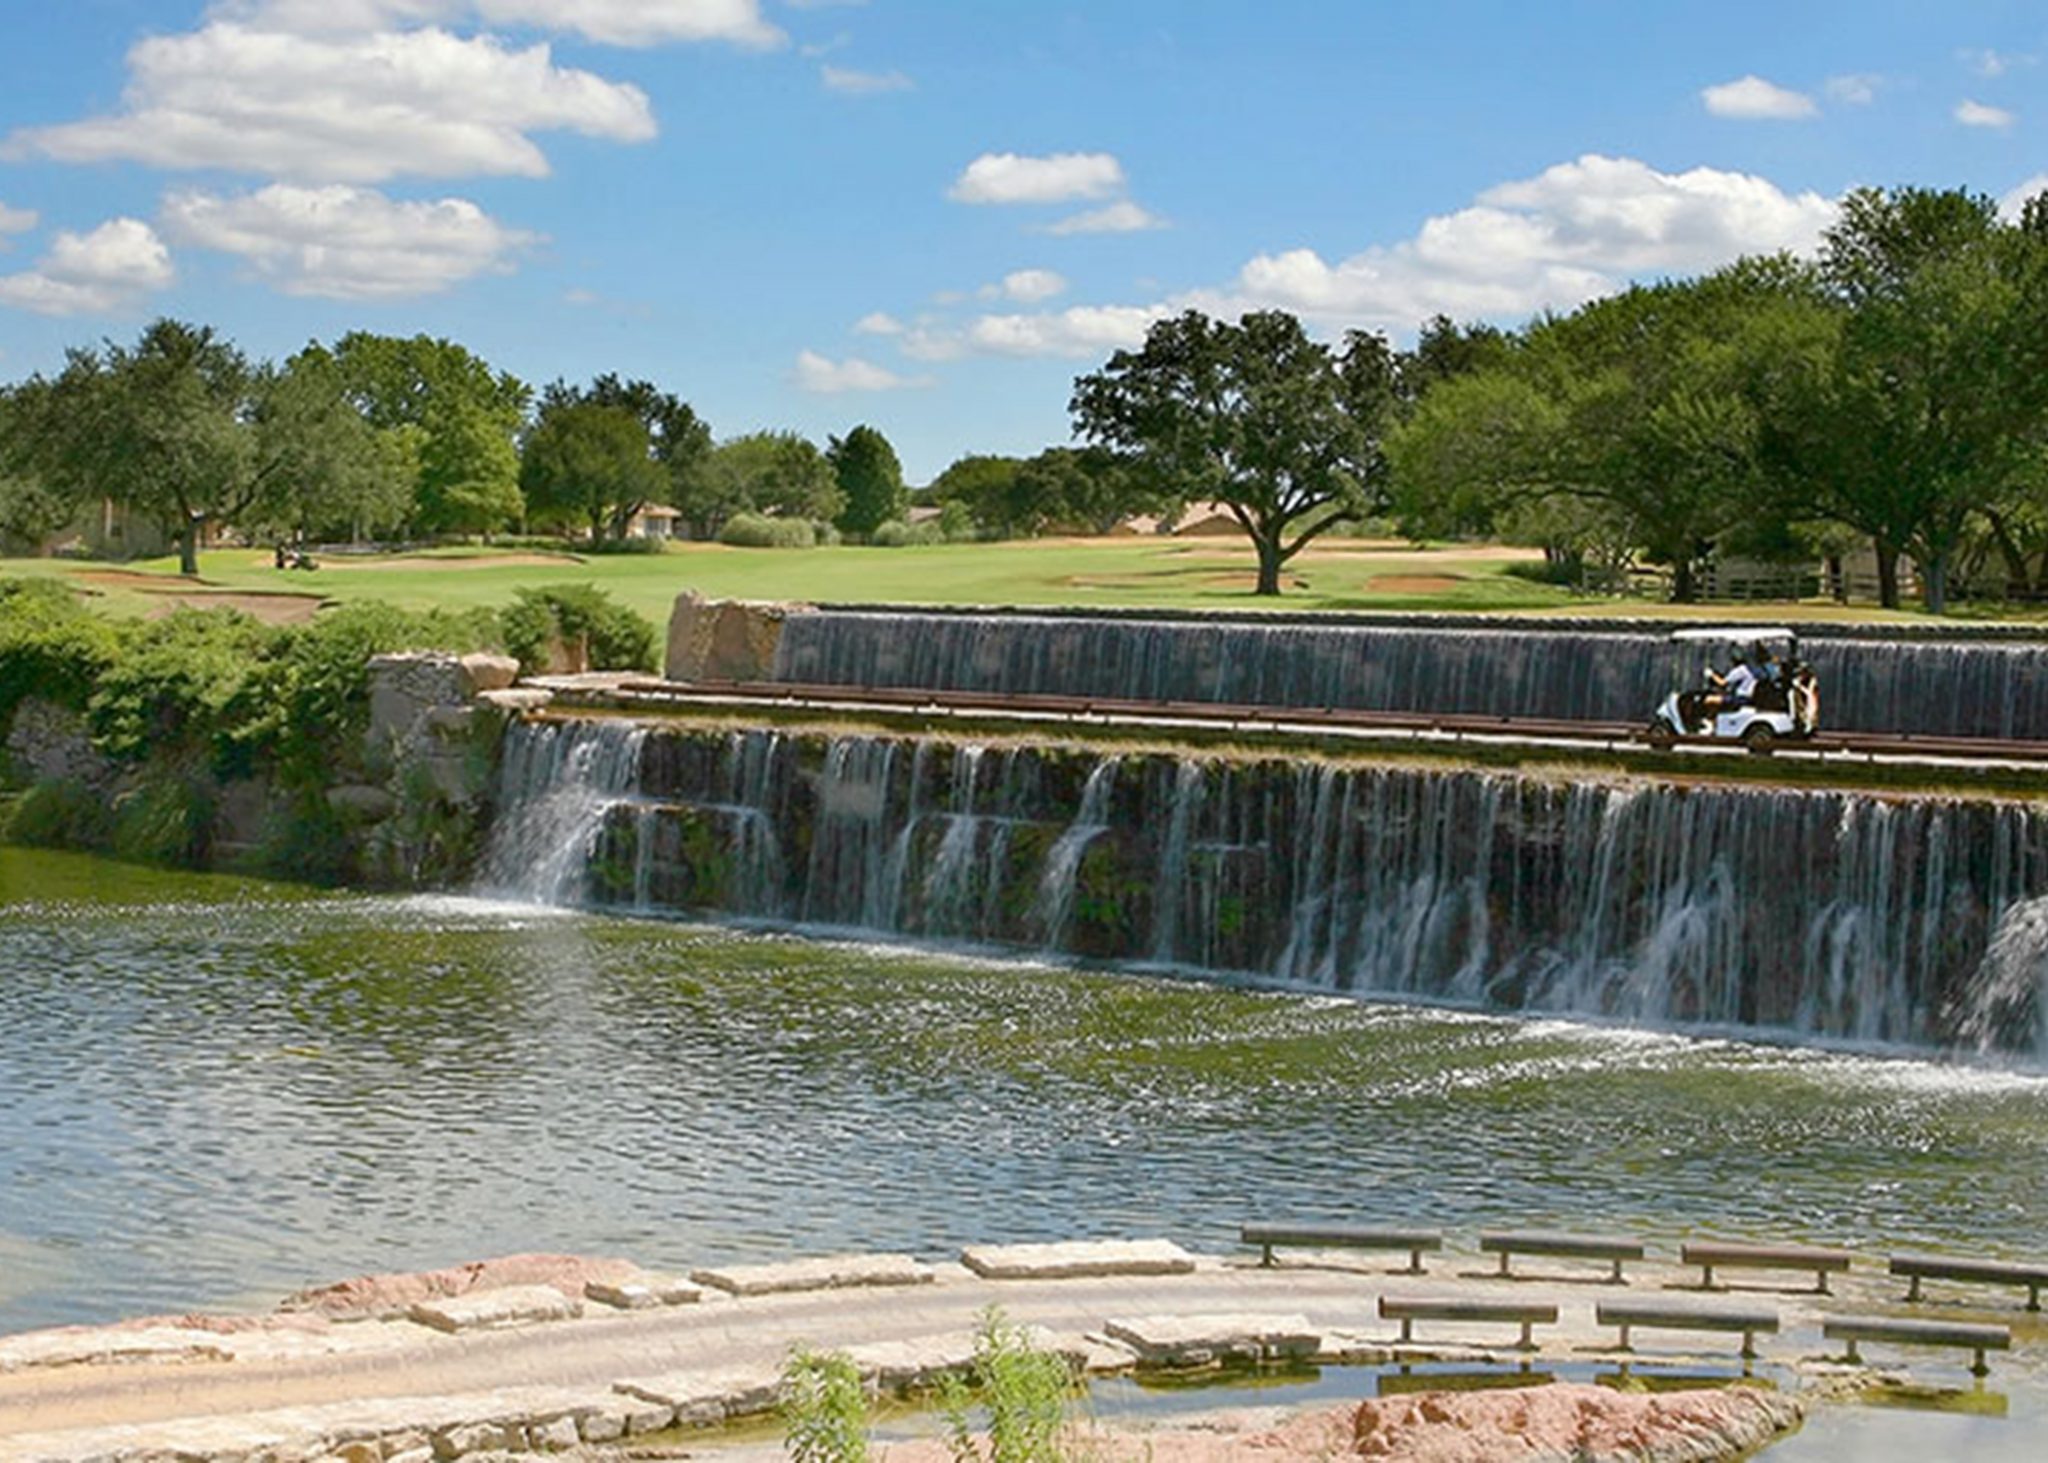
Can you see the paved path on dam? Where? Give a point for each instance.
(378, 1369)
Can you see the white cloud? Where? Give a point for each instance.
(1081, 331)
(1028, 286)
(92, 274)
(1976, 114)
(849, 82)
(2010, 205)
(349, 109)
(878, 323)
(1572, 233)
(1988, 62)
(608, 22)
(1858, 89)
(1121, 217)
(17, 220)
(1752, 98)
(829, 377)
(1006, 177)
(345, 243)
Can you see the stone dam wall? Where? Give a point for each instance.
(1915, 922)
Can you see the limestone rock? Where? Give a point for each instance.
(643, 1292)
(701, 1397)
(517, 700)
(388, 1296)
(1568, 1422)
(828, 1272)
(358, 803)
(724, 640)
(1077, 1259)
(50, 743)
(513, 1305)
(489, 672)
(1199, 1340)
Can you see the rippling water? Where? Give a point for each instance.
(212, 1092)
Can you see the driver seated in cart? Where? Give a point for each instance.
(1736, 688)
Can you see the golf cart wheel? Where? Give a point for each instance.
(1660, 737)
(1760, 740)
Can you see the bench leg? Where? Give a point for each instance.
(1820, 1282)
(1503, 1262)
(1415, 1263)
(1617, 1278)
(1913, 1290)
(1527, 1343)
(1407, 1330)
(1980, 1369)
(1624, 1346)
(1706, 1277)
(1855, 1357)
(1749, 1346)
(1267, 1259)
(2033, 1297)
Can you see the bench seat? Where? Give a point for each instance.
(1976, 1338)
(1563, 1244)
(1630, 1315)
(1344, 1236)
(1710, 1255)
(1412, 1308)
(1983, 1272)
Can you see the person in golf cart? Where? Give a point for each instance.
(1760, 700)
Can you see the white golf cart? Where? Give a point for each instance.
(1783, 704)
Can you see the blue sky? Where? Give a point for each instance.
(931, 214)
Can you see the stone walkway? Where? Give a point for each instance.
(518, 1372)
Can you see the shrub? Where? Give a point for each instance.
(174, 685)
(824, 1408)
(897, 534)
(50, 645)
(168, 820)
(759, 531)
(65, 814)
(636, 543)
(615, 638)
(1024, 1391)
(956, 521)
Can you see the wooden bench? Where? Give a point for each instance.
(1630, 1315)
(1612, 1248)
(1710, 1255)
(1980, 1339)
(1986, 1272)
(1412, 1308)
(1344, 1236)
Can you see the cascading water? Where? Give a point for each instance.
(1926, 688)
(1919, 922)
(558, 785)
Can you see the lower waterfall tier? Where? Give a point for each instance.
(1919, 922)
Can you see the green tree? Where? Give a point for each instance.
(163, 427)
(680, 440)
(469, 472)
(870, 480)
(35, 505)
(980, 483)
(1924, 403)
(1282, 430)
(778, 473)
(590, 463)
(1082, 489)
(335, 474)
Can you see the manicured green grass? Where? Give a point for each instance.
(1198, 574)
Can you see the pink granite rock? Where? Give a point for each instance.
(384, 1296)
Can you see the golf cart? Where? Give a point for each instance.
(1783, 703)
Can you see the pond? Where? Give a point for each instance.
(218, 1091)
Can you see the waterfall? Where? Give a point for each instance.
(558, 786)
(1917, 922)
(1927, 688)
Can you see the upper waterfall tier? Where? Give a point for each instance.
(1927, 688)
(1917, 922)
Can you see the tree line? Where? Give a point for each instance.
(382, 437)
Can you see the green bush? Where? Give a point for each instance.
(308, 841)
(616, 639)
(824, 1408)
(635, 543)
(897, 534)
(50, 645)
(168, 820)
(759, 531)
(1024, 1391)
(175, 686)
(65, 814)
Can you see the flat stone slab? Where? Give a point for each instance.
(1199, 1340)
(643, 1292)
(511, 1305)
(99, 1345)
(1077, 1259)
(702, 1396)
(829, 1272)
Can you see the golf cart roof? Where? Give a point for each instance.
(1724, 634)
